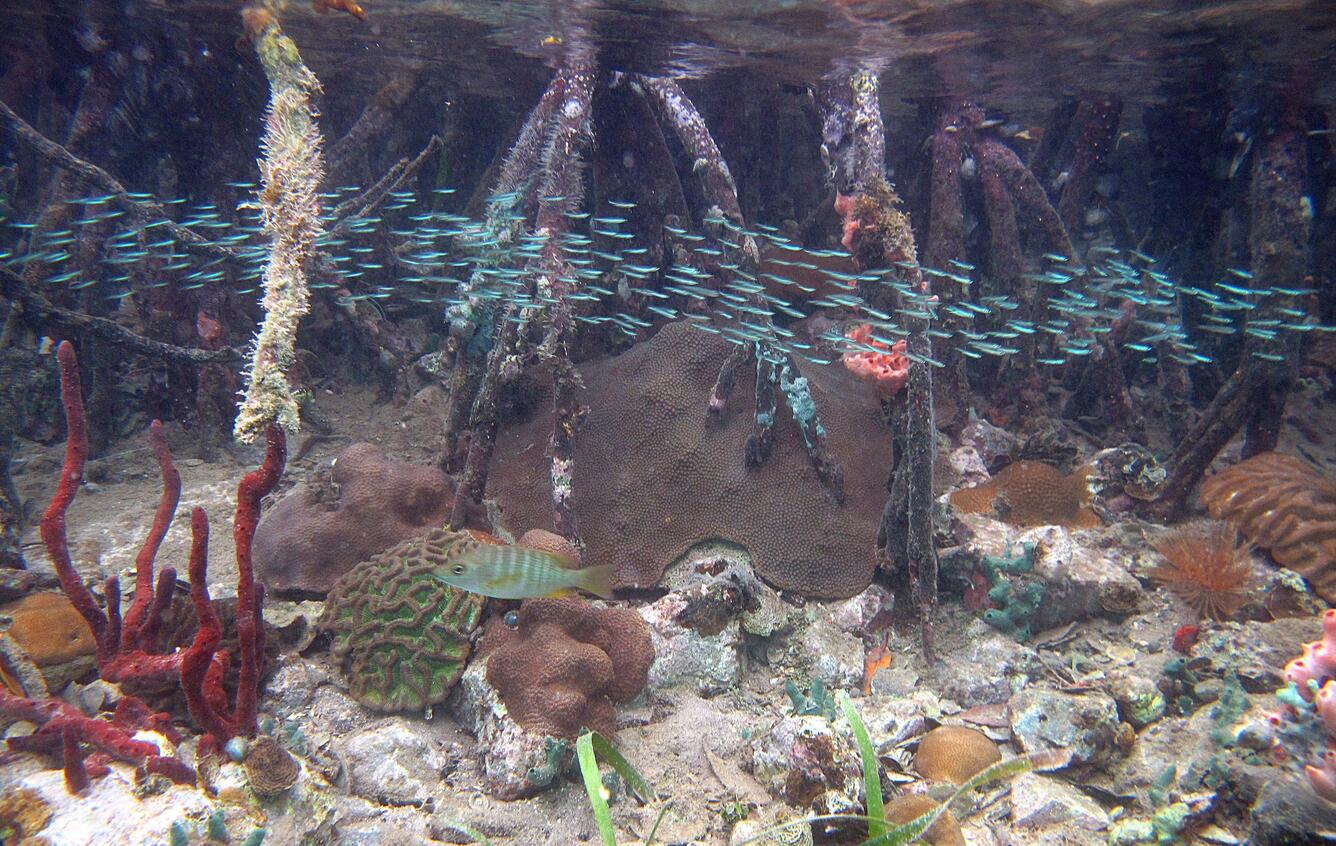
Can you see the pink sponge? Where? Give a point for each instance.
(1316, 670)
(1318, 663)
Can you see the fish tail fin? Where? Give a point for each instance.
(597, 580)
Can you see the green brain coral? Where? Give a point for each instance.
(402, 636)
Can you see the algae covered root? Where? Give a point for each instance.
(291, 170)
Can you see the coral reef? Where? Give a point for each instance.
(401, 635)
(270, 769)
(564, 663)
(1032, 493)
(322, 529)
(685, 484)
(1283, 505)
(1206, 567)
(292, 170)
(955, 754)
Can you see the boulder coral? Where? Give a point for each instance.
(564, 663)
(657, 474)
(322, 529)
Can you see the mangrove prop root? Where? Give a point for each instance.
(40, 313)
(1253, 395)
(141, 211)
(855, 152)
(775, 369)
(1093, 145)
(291, 173)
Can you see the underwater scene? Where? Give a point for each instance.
(712, 422)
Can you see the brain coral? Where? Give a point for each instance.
(565, 663)
(654, 475)
(1283, 505)
(318, 532)
(1032, 493)
(402, 635)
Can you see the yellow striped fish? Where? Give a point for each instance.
(515, 572)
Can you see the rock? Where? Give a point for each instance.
(1039, 801)
(805, 762)
(685, 656)
(1080, 581)
(993, 444)
(1140, 701)
(854, 616)
(109, 811)
(987, 667)
(1287, 813)
(394, 762)
(818, 648)
(515, 763)
(968, 466)
(1086, 724)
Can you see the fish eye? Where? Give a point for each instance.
(512, 619)
(458, 569)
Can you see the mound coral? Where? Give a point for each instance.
(886, 366)
(49, 628)
(1308, 724)
(1205, 566)
(1032, 493)
(656, 476)
(910, 806)
(565, 663)
(369, 503)
(1283, 505)
(401, 634)
(955, 754)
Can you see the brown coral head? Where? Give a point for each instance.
(1206, 567)
(270, 768)
(565, 663)
(49, 628)
(1032, 493)
(549, 542)
(910, 806)
(1283, 505)
(955, 754)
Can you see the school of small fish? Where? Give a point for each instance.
(413, 255)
